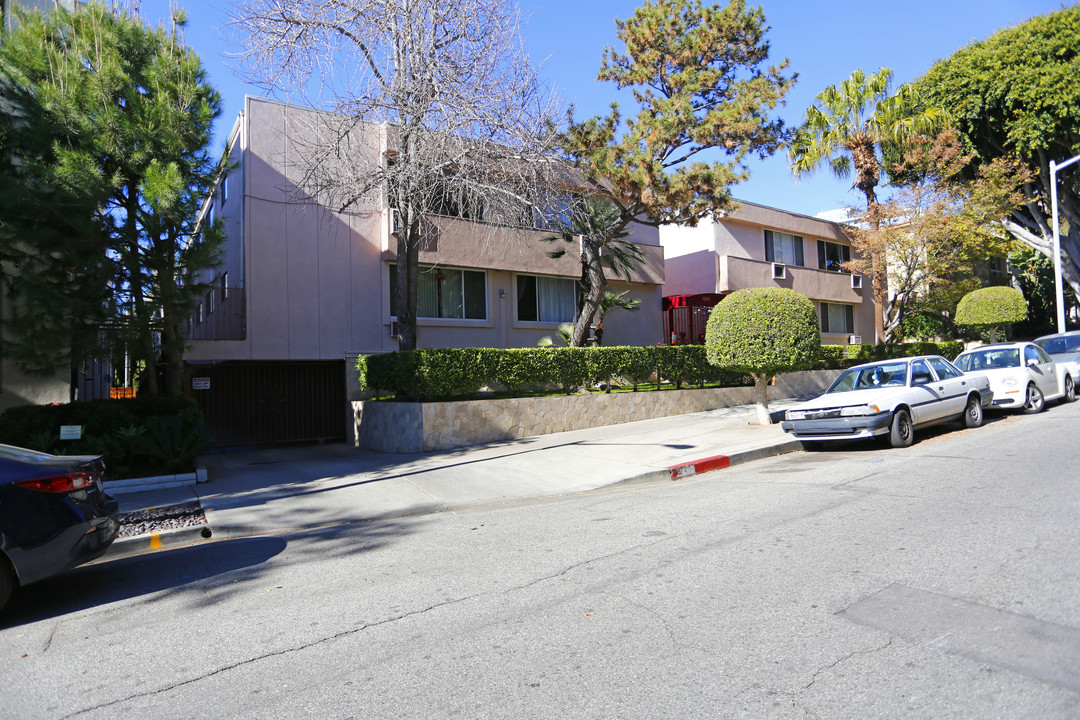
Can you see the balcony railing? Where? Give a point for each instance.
(220, 316)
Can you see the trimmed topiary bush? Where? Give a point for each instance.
(990, 308)
(763, 331)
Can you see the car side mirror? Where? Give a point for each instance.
(1032, 362)
(920, 378)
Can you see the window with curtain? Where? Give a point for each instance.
(837, 318)
(782, 247)
(832, 256)
(544, 299)
(446, 293)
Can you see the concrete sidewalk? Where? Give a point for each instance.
(279, 489)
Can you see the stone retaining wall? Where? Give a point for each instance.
(400, 427)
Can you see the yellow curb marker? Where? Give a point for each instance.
(155, 541)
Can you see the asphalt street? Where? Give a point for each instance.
(935, 581)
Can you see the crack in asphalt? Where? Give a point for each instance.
(362, 628)
(819, 671)
(48, 643)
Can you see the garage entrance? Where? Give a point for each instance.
(256, 403)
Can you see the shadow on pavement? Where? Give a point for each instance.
(105, 582)
(207, 571)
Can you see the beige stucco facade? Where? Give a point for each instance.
(317, 282)
(719, 256)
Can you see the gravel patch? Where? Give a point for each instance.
(170, 517)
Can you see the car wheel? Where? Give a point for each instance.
(7, 581)
(1070, 390)
(973, 412)
(1035, 402)
(901, 434)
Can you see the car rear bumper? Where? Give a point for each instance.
(843, 428)
(74, 546)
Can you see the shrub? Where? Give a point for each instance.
(764, 331)
(111, 428)
(843, 356)
(990, 308)
(435, 374)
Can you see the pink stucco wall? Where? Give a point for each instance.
(317, 281)
(729, 254)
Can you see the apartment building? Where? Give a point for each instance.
(760, 246)
(305, 289)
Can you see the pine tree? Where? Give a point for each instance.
(106, 139)
(699, 80)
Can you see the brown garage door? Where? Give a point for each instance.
(250, 403)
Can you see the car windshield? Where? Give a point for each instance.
(989, 359)
(1060, 345)
(887, 374)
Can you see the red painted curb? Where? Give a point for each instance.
(719, 462)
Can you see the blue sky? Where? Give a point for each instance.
(821, 40)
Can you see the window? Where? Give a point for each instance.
(1034, 353)
(199, 313)
(446, 293)
(210, 302)
(837, 318)
(781, 247)
(224, 189)
(210, 215)
(544, 299)
(225, 285)
(832, 256)
(944, 370)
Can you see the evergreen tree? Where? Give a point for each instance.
(109, 131)
(699, 80)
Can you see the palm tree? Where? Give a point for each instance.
(848, 127)
(596, 224)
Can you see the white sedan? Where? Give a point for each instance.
(1021, 375)
(891, 397)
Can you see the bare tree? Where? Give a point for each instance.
(464, 121)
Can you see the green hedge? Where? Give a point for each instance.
(137, 436)
(459, 372)
(843, 356)
(442, 374)
(439, 374)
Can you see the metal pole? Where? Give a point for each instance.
(1059, 294)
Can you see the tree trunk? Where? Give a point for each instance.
(879, 278)
(408, 270)
(761, 398)
(597, 284)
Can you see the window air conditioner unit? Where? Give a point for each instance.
(856, 282)
(779, 271)
(854, 340)
(395, 332)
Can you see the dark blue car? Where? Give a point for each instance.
(54, 515)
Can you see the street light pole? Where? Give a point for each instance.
(1058, 292)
